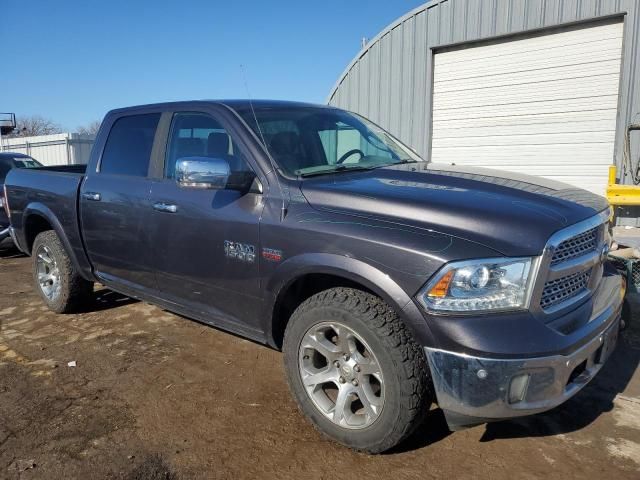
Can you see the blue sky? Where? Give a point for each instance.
(72, 61)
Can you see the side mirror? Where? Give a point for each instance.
(202, 172)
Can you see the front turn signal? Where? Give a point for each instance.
(441, 288)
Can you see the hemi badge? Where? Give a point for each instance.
(271, 254)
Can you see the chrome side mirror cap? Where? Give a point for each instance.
(202, 172)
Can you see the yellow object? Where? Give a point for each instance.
(441, 288)
(621, 194)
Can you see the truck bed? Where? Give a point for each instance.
(52, 193)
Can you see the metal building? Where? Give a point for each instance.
(56, 149)
(545, 87)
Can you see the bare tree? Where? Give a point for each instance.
(33, 125)
(90, 128)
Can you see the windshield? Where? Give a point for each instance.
(306, 141)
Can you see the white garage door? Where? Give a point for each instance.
(544, 105)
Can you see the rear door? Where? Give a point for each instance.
(206, 242)
(115, 206)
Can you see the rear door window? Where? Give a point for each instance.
(128, 147)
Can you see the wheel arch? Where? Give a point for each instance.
(302, 276)
(38, 218)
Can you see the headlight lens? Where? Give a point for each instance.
(479, 285)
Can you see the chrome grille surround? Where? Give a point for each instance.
(576, 246)
(570, 268)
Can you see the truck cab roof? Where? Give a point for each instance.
(235, 104)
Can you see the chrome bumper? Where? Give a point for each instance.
(472, 390)
(10, 232)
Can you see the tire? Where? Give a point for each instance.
(57, 281)
(398, 397)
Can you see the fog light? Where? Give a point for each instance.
(518, 387)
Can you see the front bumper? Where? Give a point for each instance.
(473, 390)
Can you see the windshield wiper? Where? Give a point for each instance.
(404, 161)
(353, 168)
(337, 169)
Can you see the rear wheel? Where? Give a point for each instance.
(355, 370)
(56, 278)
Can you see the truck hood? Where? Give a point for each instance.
(510, 213)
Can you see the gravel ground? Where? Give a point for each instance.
(157, 396)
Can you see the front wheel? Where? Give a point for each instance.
(355, 369)
(56, 278)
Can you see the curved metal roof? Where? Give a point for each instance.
(375, 40)
(389, 80)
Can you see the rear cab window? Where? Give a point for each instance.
(128, 147)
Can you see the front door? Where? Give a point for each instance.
(115, 205)
(206, 241)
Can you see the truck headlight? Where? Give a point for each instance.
(479, 285)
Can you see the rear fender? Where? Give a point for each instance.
(78, 259)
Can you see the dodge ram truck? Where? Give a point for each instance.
(390, 283)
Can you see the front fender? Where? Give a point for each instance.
(356, 271)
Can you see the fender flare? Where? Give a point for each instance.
(41, 210)
(352, 269)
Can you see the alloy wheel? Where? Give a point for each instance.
(48, 273)
(341, 375)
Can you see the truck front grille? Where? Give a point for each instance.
(576, 246)
(564, 288)
(570, 270)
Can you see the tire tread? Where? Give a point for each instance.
(408, 356)
(75, 290)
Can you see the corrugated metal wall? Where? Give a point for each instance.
(390, 79)
(542, 104)
(58, 149)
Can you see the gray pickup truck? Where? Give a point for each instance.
(389, 282)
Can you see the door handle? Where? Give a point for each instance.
(93, 196)
(165, 207)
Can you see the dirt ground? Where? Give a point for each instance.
(154, 395)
